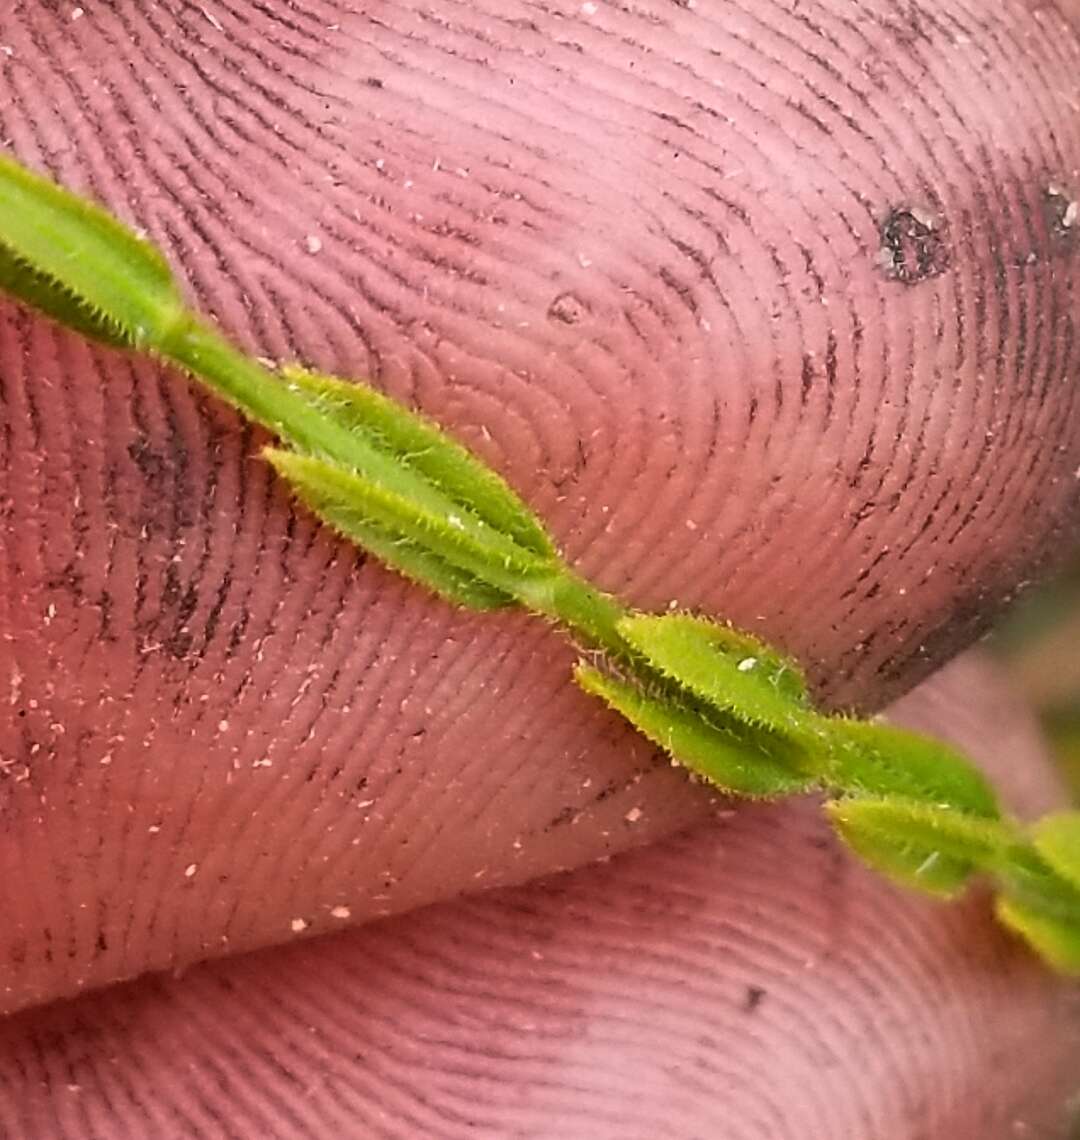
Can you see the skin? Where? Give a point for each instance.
(635, 258)
(746, 980)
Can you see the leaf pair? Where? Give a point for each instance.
(730, 678)
(743, 761)
(737, 712)
(938, 847)
(438, 516)
(718, 701)
(912, 807)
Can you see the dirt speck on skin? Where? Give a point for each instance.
(914, 245)
(754, 996)
(1061, 209)
(567, 309)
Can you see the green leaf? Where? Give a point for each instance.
(728, 669)
(912, 866)
(1027, 878)
(932, 849)
(80, 266)
(1057, 840)
(266, 398)
(730, 756)
(425, 546)
(876, 759)
(428, 449)
(1054, 937)
(409, 558)
(732, 673)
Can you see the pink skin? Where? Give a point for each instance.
(635, 258)
(747, 980)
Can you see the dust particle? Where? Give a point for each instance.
(1061, 209)
(755, 995)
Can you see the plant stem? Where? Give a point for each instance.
(256, 391)
(580, 606)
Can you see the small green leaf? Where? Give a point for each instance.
(413, 561)
(875, 759)
(428, 547)
(1028, 878)
(1057, 840)
(1041, 904)
(687, 648)
(929, 872)
(730, 756)
(428, 449)
(409, 558)
(1054, 937)
(728, 670)
(932, 849)
(80, 266)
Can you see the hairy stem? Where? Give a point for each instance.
(581, 607)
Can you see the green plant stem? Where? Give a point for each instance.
(262, 397)
(580, 606)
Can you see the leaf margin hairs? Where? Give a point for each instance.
(426, 447)
(83, 267)
(716, 752)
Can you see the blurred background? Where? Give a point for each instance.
(1040, 643)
